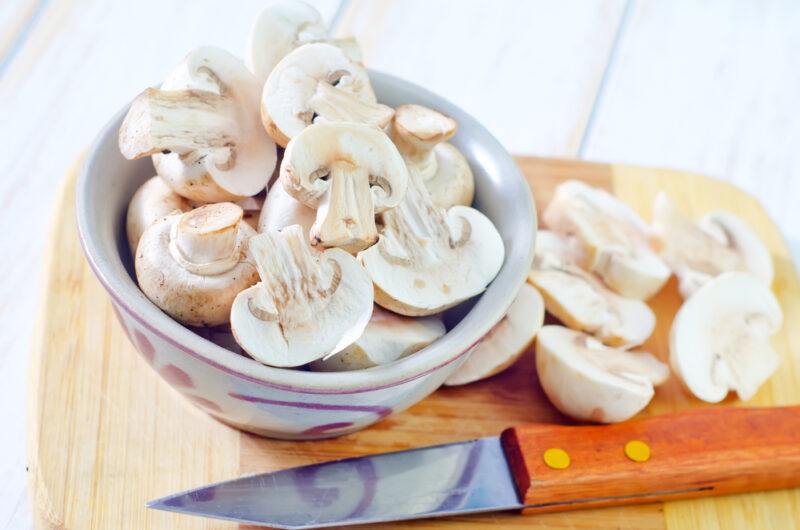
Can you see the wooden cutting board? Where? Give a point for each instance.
(106, 434)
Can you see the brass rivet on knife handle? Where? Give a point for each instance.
(556, 458)
(637, 450)
(709, 451)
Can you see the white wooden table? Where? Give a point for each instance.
(707, 86)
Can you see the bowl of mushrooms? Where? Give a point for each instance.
(298, 245)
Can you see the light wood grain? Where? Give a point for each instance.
(107, 434)
(709, 87)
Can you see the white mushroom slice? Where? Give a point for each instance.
(280, 28)
(282, 210)
(428, 259)
(202, 128)
(305, 307)
(387, 338)
(720, 338)
(421, 135)
(697, 252)
(554, 250)
(152, 201)
(614, 240)
(194, 264)
(506, 341)
(348, 172)
(588, 381)
(318, 82)
(583, 303)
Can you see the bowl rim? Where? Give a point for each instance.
(495, 300)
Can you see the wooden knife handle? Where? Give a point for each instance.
(712, 451)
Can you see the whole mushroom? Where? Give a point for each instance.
(152, 201)
(192, 265)
(421, 135)
(305, 307)
(202, 129)
(318, 82)
(348, 172)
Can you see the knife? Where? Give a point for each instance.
(533, 468)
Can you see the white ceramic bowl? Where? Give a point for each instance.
(298, 404)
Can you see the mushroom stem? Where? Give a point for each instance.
(351, 225)
(333, 104)
(206, 240)
(417, 131)
(180, 121)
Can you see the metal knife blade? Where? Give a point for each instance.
(459, 478)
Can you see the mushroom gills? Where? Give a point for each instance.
(720, 338)
(387, 338)
(506, 341)
(698, 252)
(305, 307)
(591, 382)
(614, 240)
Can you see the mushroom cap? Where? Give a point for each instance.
(317, 79)
(614, 240)
(387, 338)
(588, 381)
(427, 260)
(152, 201)
(506, 341)
(583, 303)
(252, 159)
(280, 28)
(188, 297)
(720, 338)
(348, 172)
(305, 307)
(281, 210)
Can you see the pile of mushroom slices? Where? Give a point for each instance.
(598, 264)
(365, 234)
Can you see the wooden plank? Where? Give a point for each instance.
(527, 70)
(98, 411)
(710, 87)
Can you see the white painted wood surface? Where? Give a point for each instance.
(705, 86)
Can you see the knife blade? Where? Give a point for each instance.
(536, 468)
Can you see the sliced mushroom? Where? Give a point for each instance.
(614, 240)
(348, 172)
(421, 135)
(428, 259)
(152, 201)
(202, 129)
(318, 82)
(582, 302)
(588, 381)
(697, 252)
(305, 307)
(194, 264)
(506, 341)
(720, 338)
(281, 210)
(387, 338)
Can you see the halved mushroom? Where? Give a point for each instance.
(421, 135)
(194, 264)
(281, 210)
(720, 338)
(697, 252)
(614, 240)
(318, 82)
(387, 338)
(305, 307)
(202, 129)
(428, 259)
(581, 302)
(506, 341)
(588, 381)
(152, 201)
(348, 172)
